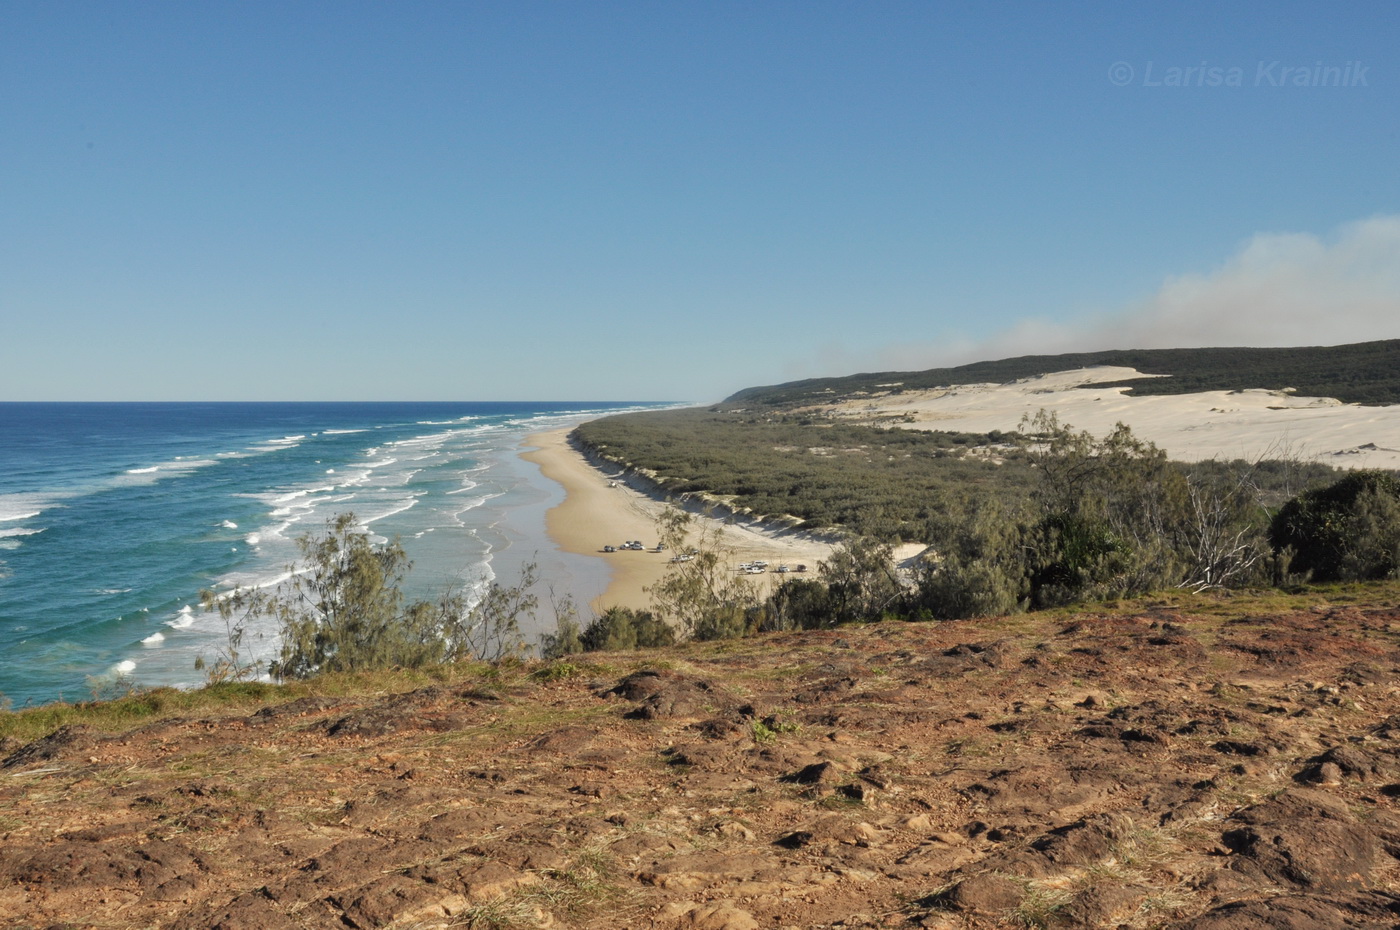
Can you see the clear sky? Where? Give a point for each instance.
(656, 200)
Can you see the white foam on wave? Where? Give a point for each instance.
(469, 505)
(396, 507)
(355, 478)
(300, 501)
(181, 622)
(229, 525)
(263, 627)
(304, 492)
(155, 639)
(343, 432)
(16, 507)
(252, 539)
(21, 531)
(124, 668)
(150, 474)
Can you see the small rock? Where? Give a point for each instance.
(795, 840)
(1324, 773)
(721, 916)
(1101, 905)
(985, 894)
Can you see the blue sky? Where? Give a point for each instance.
(630, 201)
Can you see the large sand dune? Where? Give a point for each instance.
(1190, 427)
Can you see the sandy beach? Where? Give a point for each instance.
(600, 509)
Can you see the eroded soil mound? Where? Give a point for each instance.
(1146, 770)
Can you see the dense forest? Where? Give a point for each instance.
(1363, 373)
(820, 473)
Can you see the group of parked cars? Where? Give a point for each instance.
(759, 566)
(634, 544)
(756, 567)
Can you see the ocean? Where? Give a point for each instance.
(113, 517)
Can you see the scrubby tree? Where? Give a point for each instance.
(797, 604)
(489, 631)
(342, 609)
(980, 565)
(701, 596)
(1111, 509)
(1221, 538)
(860, 580)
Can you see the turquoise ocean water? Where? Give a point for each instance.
(114, 516)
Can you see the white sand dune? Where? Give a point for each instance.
(1190, 427)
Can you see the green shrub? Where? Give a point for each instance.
(798, 604)
(621, 629)
(1347, 531)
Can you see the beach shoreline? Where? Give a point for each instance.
(601, 508)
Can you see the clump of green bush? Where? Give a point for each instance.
(1346, 531)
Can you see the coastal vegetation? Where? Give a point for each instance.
(1040, 518)
(809, 472)
(814, 473)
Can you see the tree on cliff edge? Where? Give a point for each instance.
(342, 610)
